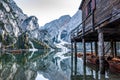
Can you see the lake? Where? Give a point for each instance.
(46, 65)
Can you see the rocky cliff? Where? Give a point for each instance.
(61, 28)
(54, 27)
(17, 28)
(14, 24)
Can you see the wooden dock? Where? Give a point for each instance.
(81, 77)
(100, 26)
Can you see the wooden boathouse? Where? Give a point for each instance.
(100, 26)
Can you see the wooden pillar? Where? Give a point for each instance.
(71, 58)
(84, 58)
(101, 51)
(75, 58)
(97, 73)
(92, 73)
(112, 48)
(91, 48)
(84, 72)
(84, 51)
(115, 49)
(96, 48)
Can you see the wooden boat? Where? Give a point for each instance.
(14, 51)
(81, 54)
(114, 65)
(93, 59)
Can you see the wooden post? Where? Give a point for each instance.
(97, 73)
(71, 58)
(84, 72)
(101, 51)
(84, 57)
(84, 51)
(93, 20)
(75, 58)
(112, 48)
(92, 73)
(115, 49)
(96, 48)
(91, 48)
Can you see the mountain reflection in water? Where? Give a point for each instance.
(43, 65)
(40, 65)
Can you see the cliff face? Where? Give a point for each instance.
(14, 24)
(11, 17)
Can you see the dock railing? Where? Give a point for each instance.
(81, 29)
(75, 32)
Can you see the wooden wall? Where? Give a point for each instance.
(103, 10)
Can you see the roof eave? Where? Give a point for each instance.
(81, 4)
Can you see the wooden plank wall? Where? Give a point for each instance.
(104, 9)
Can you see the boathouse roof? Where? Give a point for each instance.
(81, 4)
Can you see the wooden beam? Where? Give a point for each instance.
(97, 73)
(91, 48)
(71, 58)
(101, 51)
(115, 49)
(112, 48)
(111, 30)
(75, 46)
(96, 48)
(84, 57)
(84, 51)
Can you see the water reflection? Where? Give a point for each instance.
(39, 65)
(91, 72)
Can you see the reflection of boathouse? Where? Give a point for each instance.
(100, 26)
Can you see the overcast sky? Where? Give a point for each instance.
(48, 10)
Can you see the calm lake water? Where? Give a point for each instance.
(45, 65)
(38, 65)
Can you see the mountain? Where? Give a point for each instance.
(75, 20)
(16, 28)
(61, 28)
(55, 26)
